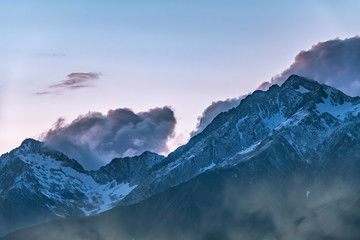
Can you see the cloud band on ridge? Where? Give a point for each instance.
(334, 62)
(213, 110)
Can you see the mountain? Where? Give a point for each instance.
(281, 162)
(38, 184)
(220, 205)
(300, 123)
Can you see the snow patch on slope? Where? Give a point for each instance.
(293, 120)
(249, 149)
(274, 120)
(302, 90)
(207, 168)
(112, 192)
(237, 126)
(54, 178)
(339, 111)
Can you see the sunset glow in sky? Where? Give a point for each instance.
(62, 59)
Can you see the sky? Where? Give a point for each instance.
(70, 59)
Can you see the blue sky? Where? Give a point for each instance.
(183, 54)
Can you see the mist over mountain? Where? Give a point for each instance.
(283, 164)
(218, 205)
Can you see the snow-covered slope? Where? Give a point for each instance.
(37, 184)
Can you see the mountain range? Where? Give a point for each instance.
(283, 164)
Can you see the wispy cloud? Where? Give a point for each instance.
(42, 93)
(50, 55)
(74, 81)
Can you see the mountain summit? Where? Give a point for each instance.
(301, 123)
(38, 184)
(301, 131)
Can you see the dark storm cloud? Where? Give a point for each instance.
(74, 81)
(213, 110)
(94, 139)
(334, 62)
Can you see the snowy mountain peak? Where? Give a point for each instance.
(30, 144)
(299, 117)
(296, 81)
(299, 125)
(38, 179)
(34, 147)
(305, 85)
